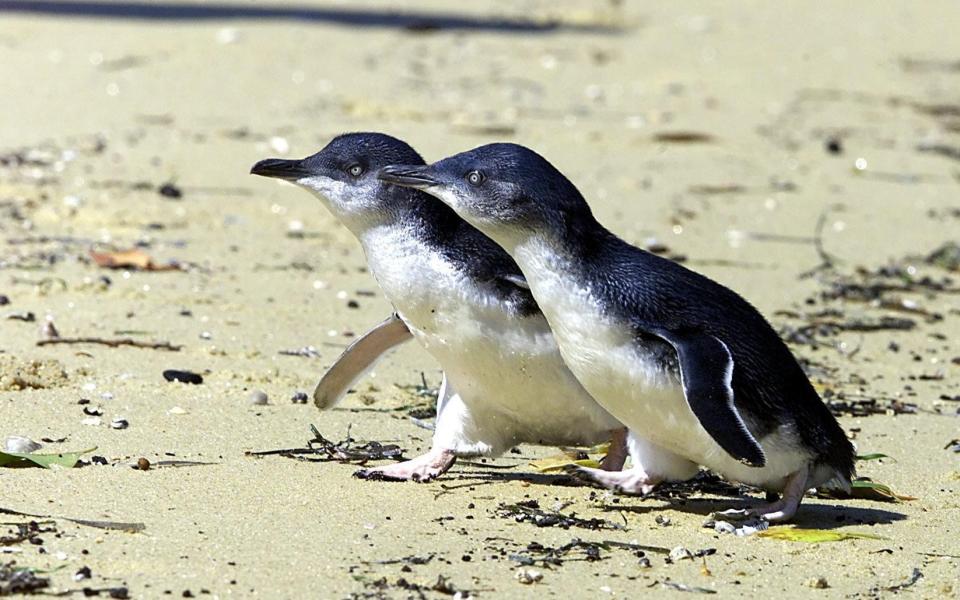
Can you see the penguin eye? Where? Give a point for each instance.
(475, 178)
(355, 170)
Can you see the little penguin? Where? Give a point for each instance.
(685, 363)
(463, 298)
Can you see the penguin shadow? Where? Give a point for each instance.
(810, 515)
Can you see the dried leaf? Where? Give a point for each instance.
(579, 457)
(66, 460)
(871, 490)
(553, 464)
(814, 536)
(130, 259)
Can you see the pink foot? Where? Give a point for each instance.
(421, 469)
(632, 481)
(783, 509)
(617, 454)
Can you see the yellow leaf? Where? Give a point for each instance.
(552, 464)
(793, 534)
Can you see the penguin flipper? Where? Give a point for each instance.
(359, 357)
(706, 371)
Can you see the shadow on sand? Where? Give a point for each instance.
(812, 515)
(353, 17)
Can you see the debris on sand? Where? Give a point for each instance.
(346, 450)
(529, 511)
(20, 581)
(131, 259)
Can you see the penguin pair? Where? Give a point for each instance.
(694, 372)
(464, 300)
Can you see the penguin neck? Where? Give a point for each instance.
(417, 214)
(561, 260)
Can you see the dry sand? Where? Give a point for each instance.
(109, 102)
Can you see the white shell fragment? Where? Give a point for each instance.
(528, 576)
(21, 445)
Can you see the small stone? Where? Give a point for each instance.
(300, 398)
(680, 553)
(176, 410)
(724, 527)
(644, 563)
(353, 304)
(258, 398)
(662, 521)
(82, 573)
(528, 576)
(22, 445)
(4, 300)
(48, 331)
(818, 583)
(143, 464)
(119, 423)
(834, 146)
(183, 376)
(170, 190)
(93, 421)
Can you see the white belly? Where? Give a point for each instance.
(507, 370)
(631, 382)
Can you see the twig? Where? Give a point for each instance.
(113, 343)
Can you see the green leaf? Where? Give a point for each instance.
(871, 490)
(66, 460)
(864, 489)
(814, 536)
(874, 456)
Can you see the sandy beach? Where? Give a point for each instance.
(807, 158)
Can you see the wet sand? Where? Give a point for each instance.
(724, 136)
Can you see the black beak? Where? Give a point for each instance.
(418, 177)
(280, 168)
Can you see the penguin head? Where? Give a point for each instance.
(507, 191)
(344, 175)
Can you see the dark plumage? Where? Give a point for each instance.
(515, 194)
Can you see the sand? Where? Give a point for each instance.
(705, 129)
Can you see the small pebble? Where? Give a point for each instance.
(528, 576)
(258, 398)
(48, 331)
(662, 521)
(94, 421)
(300, 398)
(4, 300)
(23, 445)
(834, 146)
(143, 464)
(818, 583)
(176, 410)
(680, 553)
(170, 190)
(644, 563)
(724, 527)
(83, 573)
(119, 423)
(183, 376)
